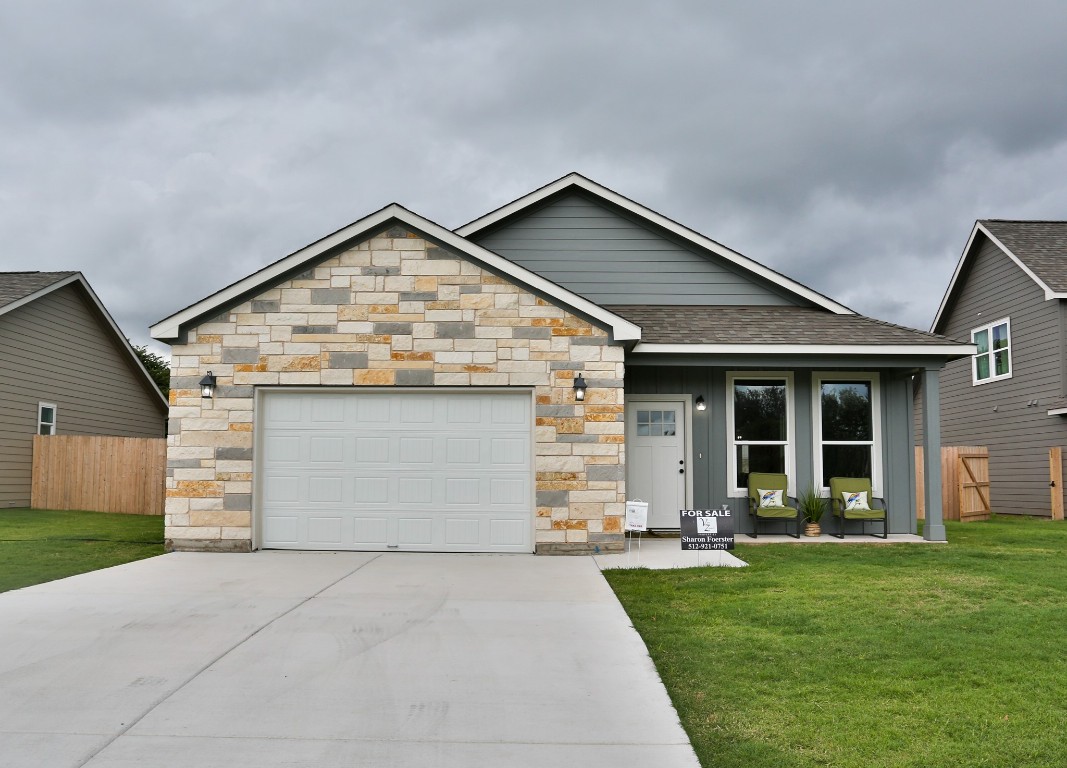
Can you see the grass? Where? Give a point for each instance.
(898, 655)
(42, 545)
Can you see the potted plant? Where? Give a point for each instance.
(812, 507)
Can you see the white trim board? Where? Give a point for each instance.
(936, 350)
(169, 328)
(706, 243)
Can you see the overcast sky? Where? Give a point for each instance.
(166, 149)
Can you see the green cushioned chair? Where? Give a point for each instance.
(878, 512)
(771, 482)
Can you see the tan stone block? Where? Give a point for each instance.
(612, 524)
(550, 537)
(355, 326)
(195, 488)
(578, 497)
(220, 518)
(299, 377)
(421, 267)
(355, 258)
(377, 297)
(587, 511)
(542, 523)
(489, 379)
(385, 258)
(476, 301)
(425, 283)
(336, 376)
(380, 377)
(191, 532)
(544, 463)
(176, 505)
(238, 533)
(604, 427)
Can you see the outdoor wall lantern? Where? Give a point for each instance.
(207, 385)
(579, 388)
(701, 405)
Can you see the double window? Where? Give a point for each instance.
(760, 423)
(993, 359)
(847, 428)
(46, 419)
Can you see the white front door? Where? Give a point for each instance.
(656, 458)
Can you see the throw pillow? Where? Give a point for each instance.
(770, 498)
(856, 501)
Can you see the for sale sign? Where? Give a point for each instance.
(706, 529)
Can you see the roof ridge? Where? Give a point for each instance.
(1028, 221)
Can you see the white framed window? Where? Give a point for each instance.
(993, 359)
(847, 425)
(46, 418)
(760, 424)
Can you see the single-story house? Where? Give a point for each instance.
(399, 385)
(65, 369)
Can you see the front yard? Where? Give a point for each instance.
(897, 655)
(42, 545)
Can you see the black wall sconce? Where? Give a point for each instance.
(579, 388)
(207, 385)
(700, 404)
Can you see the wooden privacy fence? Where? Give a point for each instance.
(964, 483)
(99, 473)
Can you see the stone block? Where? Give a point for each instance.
(414, 378)
(380, 377)
(348, 360)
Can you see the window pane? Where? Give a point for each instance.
(1000, 362)
(845, 461)
(982, 365)
(759, 410)
(48, 415)
(642, 417)
(846, 410)
(1000, 336)
(758, 458)
(642, 430)
(982, 340)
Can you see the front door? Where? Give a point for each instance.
(656, 457)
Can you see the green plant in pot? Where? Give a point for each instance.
(812, 506)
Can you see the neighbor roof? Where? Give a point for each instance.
(574, 181)
(15, 286)
(1038, 248)
(777, 330)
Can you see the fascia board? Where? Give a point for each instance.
(622, 329)
(1057, 412)
(922, 350)
(577, 180)
(40, 292)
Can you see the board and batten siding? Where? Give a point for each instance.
(611, 258)
(998, 414)
(57, 350)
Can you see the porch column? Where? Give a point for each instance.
(934, 529)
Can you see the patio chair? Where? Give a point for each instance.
(765, 481)
(879, 509)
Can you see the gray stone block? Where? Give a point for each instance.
(237, 502)
(230, 453)
(555, 410)
(418, 296)
(437, 252)
(455, 330)
(415, 377)
(470, 289)
(313, 329)
(396, 232)
(603, 383)
(532, 333)
(605, 472)
(348, 360)
(238, 390)
(395, 329)
(185, 382)
(207, 545)
(266, 305)
(240, 355)
(553, 498)
(183, 464)
(381, 271)
(331, 296)
(564, 438)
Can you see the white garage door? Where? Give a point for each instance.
(428, 471)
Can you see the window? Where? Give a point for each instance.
(847, 428)
(46, 419)
(760, 424)
(656, 424)
(993, 360)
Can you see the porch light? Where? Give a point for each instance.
(207, 385)
(701, 405)
(579, 388)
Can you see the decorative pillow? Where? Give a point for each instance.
(856, 501)
(770, 498)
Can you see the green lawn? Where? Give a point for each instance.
(41, 545)
(867, 655)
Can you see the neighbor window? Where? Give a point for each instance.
(847, 428)
(46, 419)
(993, 359)
(760, 420)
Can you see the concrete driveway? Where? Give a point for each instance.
(330, 659)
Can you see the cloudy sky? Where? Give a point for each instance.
(166, 149)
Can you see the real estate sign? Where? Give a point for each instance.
(706, 528)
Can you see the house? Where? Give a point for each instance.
(65, 369)
(508, 385)
(1008, 296)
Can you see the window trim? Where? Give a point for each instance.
(975, 381)
(52, 424)
(790, 426)
(817, 380)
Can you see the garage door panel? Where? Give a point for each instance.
(415, 470)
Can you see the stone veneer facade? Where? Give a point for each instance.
(395, 310)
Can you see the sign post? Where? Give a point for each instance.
(706, 529)
(636, 520)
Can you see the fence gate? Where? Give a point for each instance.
(973, 477)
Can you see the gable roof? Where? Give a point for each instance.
(169, 328)
(575, 181)
(18, 289)
(778, 330)
(1038, 248)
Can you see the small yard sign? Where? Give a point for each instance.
(637, 515)
(706, 529)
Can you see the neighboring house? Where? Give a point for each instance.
(397, 385)
(65, 369)
(1007, 297)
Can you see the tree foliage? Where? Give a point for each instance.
(158, 367)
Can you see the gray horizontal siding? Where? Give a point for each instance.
(1018, 435)
(609, 258)
(57, 350)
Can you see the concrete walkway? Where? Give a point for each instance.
(330, 659)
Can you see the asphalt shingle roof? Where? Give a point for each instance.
(766, 325)
(1040, 245)
(18, 285)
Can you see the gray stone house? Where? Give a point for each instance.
(399, 385)
(65, 369)
(1008, 296)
